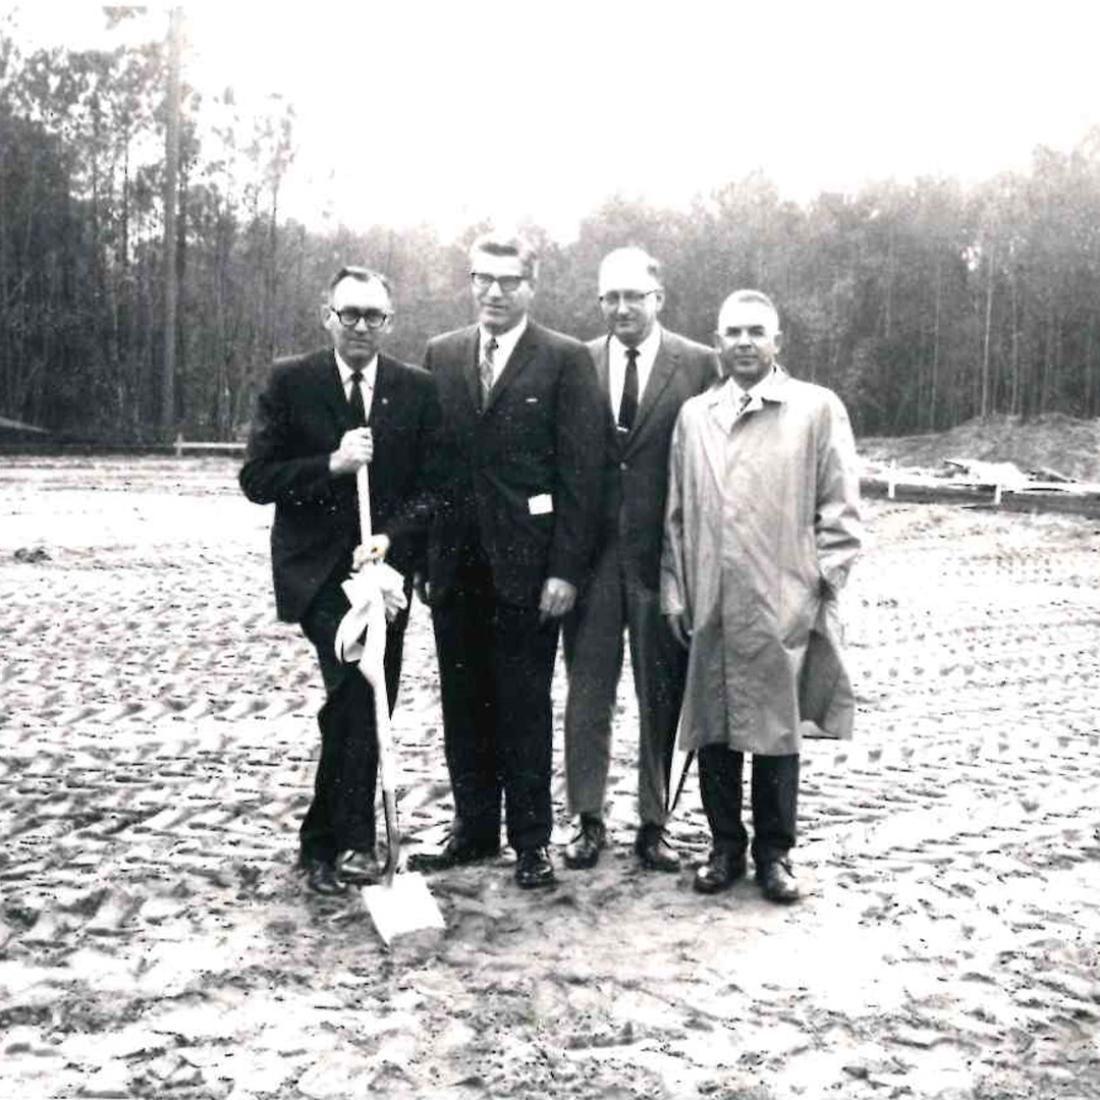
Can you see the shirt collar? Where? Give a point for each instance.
(769, 388)
(506, 341)
(369, 371)
(737, 389)
(647, 349)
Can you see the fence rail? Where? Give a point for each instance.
(182, 445)
(984, 496)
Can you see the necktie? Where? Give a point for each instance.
(356, 399)
(485, 371)
(743, 403)
(628, 407)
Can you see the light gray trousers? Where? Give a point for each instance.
(593, 639)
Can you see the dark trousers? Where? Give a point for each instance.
(496, 661)
(341, 815)
(774, 801)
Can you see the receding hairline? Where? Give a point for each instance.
(360, 275)
(508, 244)
(750, 297)
(633, 254)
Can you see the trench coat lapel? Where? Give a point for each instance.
(775, 388)
(718, 425)
(723, 418)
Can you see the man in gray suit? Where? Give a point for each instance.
(646, 373)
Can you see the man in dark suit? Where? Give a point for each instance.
(645, 374)
(320, 417)
(522, 456)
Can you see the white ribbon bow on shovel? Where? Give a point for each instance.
(401, 903)
(376, 588)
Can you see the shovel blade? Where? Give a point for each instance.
(404, 906)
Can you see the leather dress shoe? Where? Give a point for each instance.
(360, 867)
(721, 870)
(583, 850)
(455, 853)
(533, 868)
(321, 877)
(777, 882)
(654, 851)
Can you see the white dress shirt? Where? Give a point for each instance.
(506, 344)
(366, 386)
(616, 366)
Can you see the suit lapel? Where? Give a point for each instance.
(332, 389)
(600, 358)
(521, 354)
(664, 367)
(384, 380)
(469, 355)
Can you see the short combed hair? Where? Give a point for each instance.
(638, 255)
(757, 297)
(509, 244)
(363, 275)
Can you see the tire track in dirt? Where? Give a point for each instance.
(156, 749)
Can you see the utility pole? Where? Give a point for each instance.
(171, 199)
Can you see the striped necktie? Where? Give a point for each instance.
(485, 370)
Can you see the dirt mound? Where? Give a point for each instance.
(1052, 442)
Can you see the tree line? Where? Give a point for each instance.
(922, 304)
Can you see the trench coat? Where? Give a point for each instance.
(762, 525)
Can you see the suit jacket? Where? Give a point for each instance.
(301, 415)
(525, 477)
(637, 482)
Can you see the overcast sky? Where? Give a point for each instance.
(447, 112)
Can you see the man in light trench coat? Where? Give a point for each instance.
(762, 526)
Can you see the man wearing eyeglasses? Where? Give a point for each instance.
(319, 418)
(522, 456)
(646, 373)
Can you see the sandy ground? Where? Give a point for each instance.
(156, 747)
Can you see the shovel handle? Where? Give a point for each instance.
(362, 486)
(375, 675)
(387, 772)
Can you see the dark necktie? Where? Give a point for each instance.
(628, 407)
(356, 400)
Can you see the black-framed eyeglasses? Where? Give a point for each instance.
(349, 317)
(508, 284)
(613, 298)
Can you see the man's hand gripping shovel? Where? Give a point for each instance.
(401, 903)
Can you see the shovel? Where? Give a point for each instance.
(401, 903)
